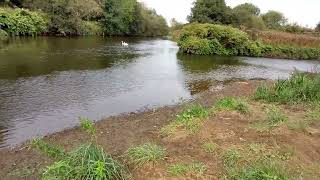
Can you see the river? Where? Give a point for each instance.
(47, 83)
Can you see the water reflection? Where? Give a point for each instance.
(47, 83)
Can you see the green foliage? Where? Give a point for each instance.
(210, 11)
(87, 162)
(3, 35)
(50, 150)
(190, 119)
(231, 157)
(90, 28)
(265, 169)
(248, 8)
(183, 168)
(146, 153)
(275, 117)
(22, 22)
(88, 126)
(298, 88)
(274, 19)
(248, 15)
(210, 39)
(232, 104)
(209, 147)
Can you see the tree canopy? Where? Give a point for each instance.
(274, 19)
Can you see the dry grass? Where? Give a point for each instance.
(289, 39)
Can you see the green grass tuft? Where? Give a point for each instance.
(88, 126)
(190, 119)
(183, 168)
(48, 149)
(275, 117)
(260, 170)
(209, 147)
(231, 157)
(300, 87)
(146, 153)
(87, 162)
(232, 104)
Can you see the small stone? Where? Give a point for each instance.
(313, 131)
(245, 130)
(242, 140)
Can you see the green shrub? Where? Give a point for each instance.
(146, 153)
(22, 22)
(298, 88)
(87, 162)
(90, 28)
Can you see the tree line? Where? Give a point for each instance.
(244, 15)
(90, 17)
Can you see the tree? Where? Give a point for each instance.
(318, 27)
(210, 11)
(274, 19)
(244, 13)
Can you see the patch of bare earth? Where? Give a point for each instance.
(225, 129)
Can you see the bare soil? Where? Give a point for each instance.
(226, 129)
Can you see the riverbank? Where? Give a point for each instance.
(224, 137)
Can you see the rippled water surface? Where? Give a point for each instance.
(47, 83)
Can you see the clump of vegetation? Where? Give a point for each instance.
(18, 22)
(265, 169)
(48, 149)
(231, 157)
(87, 162)
(275, 116)
(298, 88)
(233, 104)
(313, 115)
(212, 39)
(183, 168)
(88, 126)
(3, 35)
(190, 119)
(146, 153)
(209, 147)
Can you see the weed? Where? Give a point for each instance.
(261, 170)
(88, 126)
(146, 153)
(231, 157)
(300, 125)
(87, 162)
(275, 117)
(299, 87)
(190, 119)
(209, 147)
(256, 148)
(50, 150)
(313, 116)
(182, 169)
(232, 104)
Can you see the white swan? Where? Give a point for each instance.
(124, 43)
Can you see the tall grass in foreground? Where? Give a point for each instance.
(298, 88)
(89, 161)
(146, 153)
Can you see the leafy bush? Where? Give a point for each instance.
(211, 39)
(22, 22)
(298, 88)
(90, 28)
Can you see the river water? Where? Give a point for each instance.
(47, 83)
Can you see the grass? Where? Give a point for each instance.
(87, 162)
(313, 115)
(265, 169)
(232, 104)
(209, 147)
(275, 117)
(88, 126)
(183, 169)
(300, 87)
(256, 148)
(231, 157)
(146, 153)
(190, 119)
(48, 149)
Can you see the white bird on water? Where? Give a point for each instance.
(124, 43)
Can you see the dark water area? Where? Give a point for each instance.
(47, 83)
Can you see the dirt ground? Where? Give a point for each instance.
(226, 129)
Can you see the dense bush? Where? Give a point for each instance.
(210, 39)
(22, 22)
